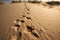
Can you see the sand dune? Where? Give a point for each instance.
(28, 21)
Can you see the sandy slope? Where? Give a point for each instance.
(8, 13)
(46, 22)
(56, 8)
(50, 16)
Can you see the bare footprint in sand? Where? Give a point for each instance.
(30, 28)
(28, 18)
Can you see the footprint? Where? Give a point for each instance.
(20, 34)
(28, 13)
(23, 16)
(17, 20)
(27, 9)
(30, 28)
(22, 21)
(35, 34)
(17, 25)
(28, 17)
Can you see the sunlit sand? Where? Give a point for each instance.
(28, 21)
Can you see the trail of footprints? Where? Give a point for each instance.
(26, 28)
(24, 24)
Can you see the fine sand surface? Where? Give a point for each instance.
(44, 21)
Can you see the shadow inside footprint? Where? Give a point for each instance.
(35, 34)
(17, 20)
(23, 16)
(28, 17)
(17, 25)
(27, 9)
(22, 21)
(30, 28)
(28, 13)
(20, 34)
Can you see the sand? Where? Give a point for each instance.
(45, 21)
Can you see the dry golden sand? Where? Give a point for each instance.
(44, 22)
